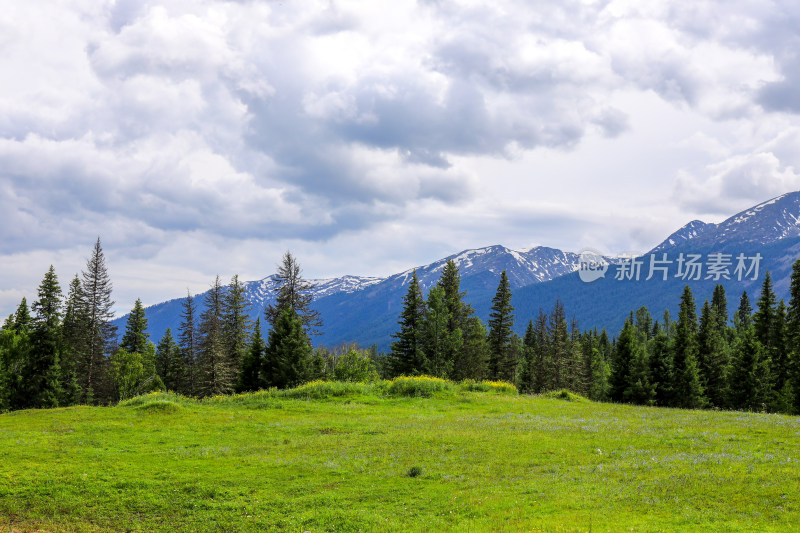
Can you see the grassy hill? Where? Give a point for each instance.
(336, 457)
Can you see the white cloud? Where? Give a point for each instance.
(369, 136)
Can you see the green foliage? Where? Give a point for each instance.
(497, 387)
(501, 322)
(687, 389)
(170, 365)
(136, 337)
(354, 366)
(292, 291)
(565, 395)
(131, 373)
(418, 386)
(216, 372)
(439, 341)
(407, 354)
(249, 374)
(236, 323)
(288, 357)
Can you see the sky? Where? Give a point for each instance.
(202, 137)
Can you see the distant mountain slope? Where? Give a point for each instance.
(686, 233)
(365, 309)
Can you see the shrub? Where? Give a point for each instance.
(354, 366)
(498, 387)
(414, 471)
(418, 386)
(564, 394)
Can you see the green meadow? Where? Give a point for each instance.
(407, 455)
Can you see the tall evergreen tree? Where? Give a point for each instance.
(249, 374)
(288, 354)
(662, 368)
(764, 318)
(526, 369)
(99, 333)
(687, 388)
(42, 373)
(189, 342)
(216, 374)
(136, 337)
(793, 333)
(719, 302)
(501, 322)
(440, 343)
(559, 347)
(627, 347)
(748, 374)
(72, 335)
(292, 291)
(236, 323)
(743, 317)
(22, 317)
(407, 355)
(712, 355)
(169, 363)
(468, 357)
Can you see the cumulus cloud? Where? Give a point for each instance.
(256, 124)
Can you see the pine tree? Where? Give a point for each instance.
(719, 302)
(793, 333)
(169, 362)
(747, 380)
(686, 387)
(189, 342)
(216, 374)
(73, 327)
(136, 337)
(712, 355)
(542, 361)
(289, 352)
(781, 371)
(438, 341)
(501, 322)
(22, 317)
(764, 319)
(249, 374)
(526, 369)
(622, 364)
(236, 323)
(407, 356)
(99, 334)
(295, 292)
(743, 317)
(662, 369)
(42, 373)
(468, 358)
(639, 389)
(559, 347)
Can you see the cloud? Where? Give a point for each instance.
(245, 125)
(736, 183)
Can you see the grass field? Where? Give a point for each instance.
(336, 457)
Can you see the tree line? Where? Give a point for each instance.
(63, 351)
(751, 362)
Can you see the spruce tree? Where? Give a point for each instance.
(748, 379)
(189, 342)
(501, 322)
(236, 323)
(440, 343)
(136, 337)
(288, 354)
(621, 366)
(468, 358)
(687, 388)
(216, 374)
(559, 347)
(42, 373)
(764, 318)
(743, 317)
(292, 291)
(407, 356)
(662, 368)
(713, 355)
(249, 374)
(72, 329)
(99, 333)
(526, 370)
(169, 363)
(793, 333)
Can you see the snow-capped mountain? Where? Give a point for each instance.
(686, 233)
(365, 309)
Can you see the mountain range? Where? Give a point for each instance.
(365, 309)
